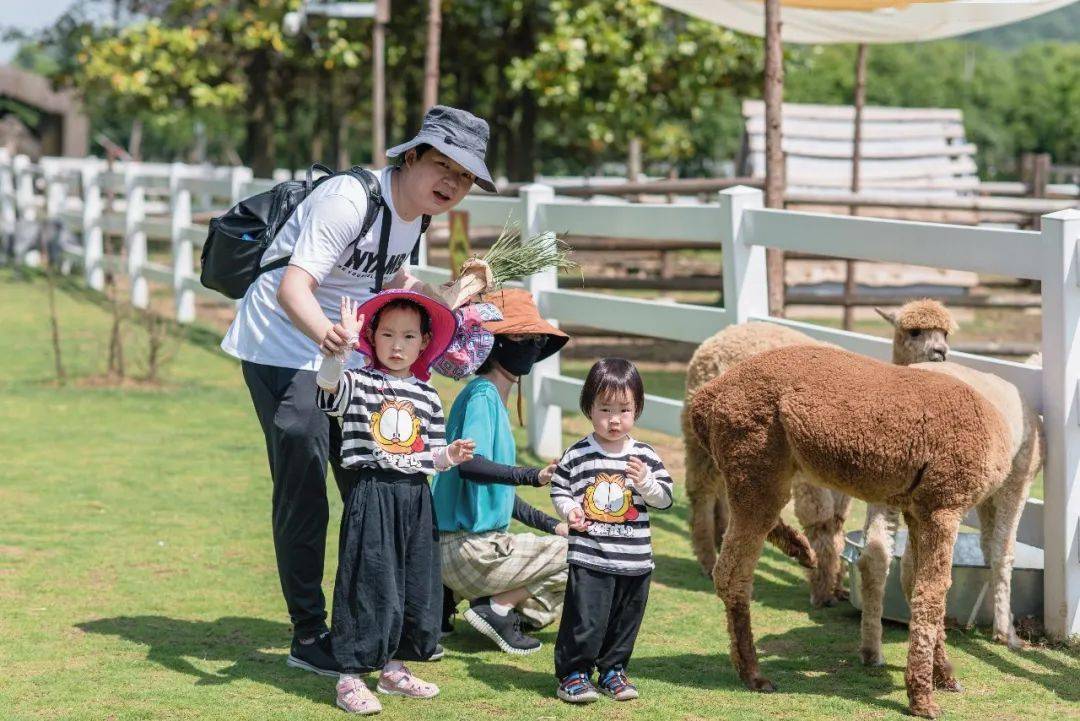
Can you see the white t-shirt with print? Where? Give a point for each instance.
(319, 234)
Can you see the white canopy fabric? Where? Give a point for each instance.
(867, 21)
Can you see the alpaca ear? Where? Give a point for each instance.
(889, 317)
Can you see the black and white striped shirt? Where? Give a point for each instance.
(588, 477)
(387, 422)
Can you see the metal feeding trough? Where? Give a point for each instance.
(971, 599)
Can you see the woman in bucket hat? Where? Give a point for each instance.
(289, 319)
(508, 579)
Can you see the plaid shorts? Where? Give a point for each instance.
(475, 565)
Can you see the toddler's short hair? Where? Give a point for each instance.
(610, 376)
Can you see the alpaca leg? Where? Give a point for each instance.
(704, 486)
(933, 537)
(734, 577)
(841, 507)
(702, 529)
(1002, 555)
(720, 517)
(874, 563)
(814, 509)
(755, 495)
(943, 672)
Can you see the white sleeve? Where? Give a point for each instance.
(330, 225)
(335, 402)
(656, 490)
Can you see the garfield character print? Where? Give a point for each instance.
(608, 500)
(396, 429)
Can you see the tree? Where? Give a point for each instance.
(612, 70)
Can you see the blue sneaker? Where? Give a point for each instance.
(577, 688)
(615, 684)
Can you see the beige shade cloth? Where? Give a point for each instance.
(867, 21)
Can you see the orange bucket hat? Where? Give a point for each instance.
(520, 315)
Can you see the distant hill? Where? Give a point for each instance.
(1061, 25)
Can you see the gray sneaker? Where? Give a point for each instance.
(505, 631)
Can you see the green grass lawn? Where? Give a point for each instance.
(137, 578)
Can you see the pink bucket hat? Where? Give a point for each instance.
(443, 328)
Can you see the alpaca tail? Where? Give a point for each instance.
(793, 543)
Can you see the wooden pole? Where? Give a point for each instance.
(774, 154)
(856, 160)
(431, 61)
(378, 84)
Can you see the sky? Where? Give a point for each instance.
(27, 15)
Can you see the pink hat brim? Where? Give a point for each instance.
(443, 328)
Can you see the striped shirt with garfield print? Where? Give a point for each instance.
(387, 422)
(618, 540)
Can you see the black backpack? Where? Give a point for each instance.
(234, 247)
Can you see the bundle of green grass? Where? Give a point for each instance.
(511, 257)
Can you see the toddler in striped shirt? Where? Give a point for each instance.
(604, 486)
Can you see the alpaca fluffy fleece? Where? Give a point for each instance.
(923, 442)
(704, 484)
(925, 314)
(999, 514)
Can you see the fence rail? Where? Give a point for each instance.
(90, 202)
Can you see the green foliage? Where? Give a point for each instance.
(1013, 102)
(1061, 25)
(564, 84)
(611, 70)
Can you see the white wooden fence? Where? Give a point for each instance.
(153, 204)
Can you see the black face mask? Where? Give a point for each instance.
(518, 357)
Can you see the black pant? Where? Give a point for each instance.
(299, 439)
(388, 592)
(601, 616)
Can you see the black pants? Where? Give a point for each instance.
(601, 617)
(388, 592)
(299, 439)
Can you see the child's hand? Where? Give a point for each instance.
(460, 451)
(343, 335)
(636, 471)
(547, 473)
(350, 323)
(576, 520)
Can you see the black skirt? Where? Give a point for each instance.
(388, 592)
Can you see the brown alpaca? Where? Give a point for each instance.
(923, 442)
(921, 334)
(999, 516)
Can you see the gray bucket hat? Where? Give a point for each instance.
(457, 134)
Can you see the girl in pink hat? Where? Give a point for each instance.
(387, 597)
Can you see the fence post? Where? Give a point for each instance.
(25, 212)
(55, 195)
(746, 285)
(93, 237)
(238, 176)
(1061, 414)
(7, 203)
(544, 425)
(135, 237)
(183, 250)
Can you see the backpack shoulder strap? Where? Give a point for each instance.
(374, 193)
(414, 256)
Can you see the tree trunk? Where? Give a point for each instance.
(378, 84)
(774, 154)
(431, 59)
(856, 161)
(259, 149)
